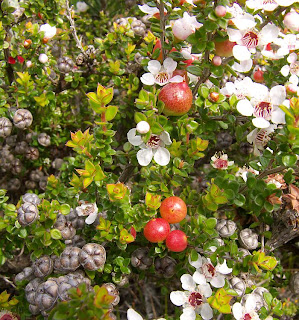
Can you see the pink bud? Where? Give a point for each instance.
(143, 127)
(291, 21)
(43, 58)
(217, 61)
(28, 64)
(220, 11)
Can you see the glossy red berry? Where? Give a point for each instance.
(176, 241)
(173, 209)
(156, 230)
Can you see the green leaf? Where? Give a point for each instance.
(111, 112)
(65, 209)
(211, 223)
(55, 234)
(195, 70)
(139, 117)
(289, 160)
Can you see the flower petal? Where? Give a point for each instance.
(234, 35)
(176, 79)
(285, 70)
(218, 281)
(145, 156)
(278, 116)
(243, 66)
(188, 282)
(260, 123)
(154, 66)
(292, 57)
(188, 314)
(294, 79)
(147, 9)
(205, 289)
(148, 79)
(197, 263)
(165, 137)
(206, 311)
(278, 95)
(245, 108)
(241, 53)
(250, 303)
(133, 315)
(199, 278)
(237, 310)
(178, 298)
(91, 218)
(269, 33)
(162, 156)
(223, 268)
(170, 65)
(133, 138)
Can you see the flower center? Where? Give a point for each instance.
(247, 316)
(294, 68)
(162, 77)
(250, 39)
(263, 110)
(208, 268)
(269, 2)
(87, 211)
(262, 138)
(195, 299)
(154, 141)
(220, 163)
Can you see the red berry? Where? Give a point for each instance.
(11, 60)
(258, 76)
(156, 230)
(176, 241)
(220, 11)
(20, 59)
(177, 98)
(173, 209)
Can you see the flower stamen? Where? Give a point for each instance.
(195, 299)
(263, 110)
(250, 39)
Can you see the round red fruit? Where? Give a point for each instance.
(258, 76)
(173, 209)
(224, 48)
(156, 230)
(176, 241)
(177, 98)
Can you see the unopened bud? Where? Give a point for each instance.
(43, 58)
(143, 127)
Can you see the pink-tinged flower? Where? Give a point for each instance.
(43, 58)
(242, 172)
(220, 161)
(153, 148)
(193, 299)
(246, 312)
(151, 11)
(7, 315)
(292, 68)
(248, 38)
(81, 6)
(160, 75)
(260, 138)
(264, 105)
(267, 5)
(183, 27)
(240, 88)
(206, 272)
(89, 210)
(291, 20)
(11, 60)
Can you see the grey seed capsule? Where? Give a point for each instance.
(22, 119)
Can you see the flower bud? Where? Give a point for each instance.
(291, 21)
(143, 127)
(28, 64)
(43, 58)
(220, 11)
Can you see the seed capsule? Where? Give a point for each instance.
(92, 256)
(22, 119)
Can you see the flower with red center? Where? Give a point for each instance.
(247, 311)
(220, 161)
(264, 105)
(267, 5)
(7, 315)
(89, 210)
(206, 272)
(193, 299)
(160, 75)
(153, 148)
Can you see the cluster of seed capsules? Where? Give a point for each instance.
(42, 295)
(16, 147)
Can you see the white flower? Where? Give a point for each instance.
(193, 299)
(90, 210)
(81, 6)
(49, 32)
(143, 127)
(260, 138)
(240, 88)
(264, 105)
(220, 161)
(160, 74)
(43, 58)
(154, 148)
(292, 69)
(248, 38)
(183, 27)
(246, 312)
(133, 315)
(267, 5)
(285, 3)
(242, 172)
(206, 272)
(149, 10)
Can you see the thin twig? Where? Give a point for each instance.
(7, 281)
(73, 29)
(160, 5)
